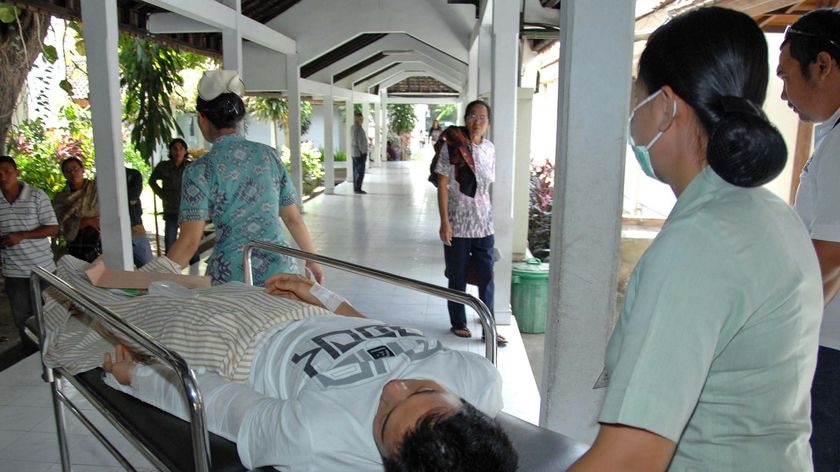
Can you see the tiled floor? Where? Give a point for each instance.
(393, 228)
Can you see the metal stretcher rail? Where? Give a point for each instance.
(198, 428)
(484, 314)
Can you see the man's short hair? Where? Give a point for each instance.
(467, 440)
(814, 32)
(357, 114)
(9, 160)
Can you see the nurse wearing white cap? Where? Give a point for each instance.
(241, 186)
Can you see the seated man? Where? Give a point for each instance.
(343, 393)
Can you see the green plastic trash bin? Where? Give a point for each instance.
(529, 295)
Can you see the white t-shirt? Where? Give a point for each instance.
(818, 204)
(318, 384)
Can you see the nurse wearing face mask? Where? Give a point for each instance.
(709, 366)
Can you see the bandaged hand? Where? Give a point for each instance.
(297, 287)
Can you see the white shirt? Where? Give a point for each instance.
(314, 390)
(818, 204)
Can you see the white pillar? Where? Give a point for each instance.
(366, 126)
(377, 137)
(586, 224)
(522, 173)
(329, 145)
(472, 73)
(232, 41)
(383, 100)
(348, 139)
(101, 37)
(293, 113)
(504, 86)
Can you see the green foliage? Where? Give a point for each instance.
(539, 210)
(150, 79)
(311, 158)
(276, 110)
(445, 112)
(338, 156)
(402, 118)
(38, 151)
(8, 13)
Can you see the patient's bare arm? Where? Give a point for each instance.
(299, 288)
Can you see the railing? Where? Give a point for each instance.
(487, 320)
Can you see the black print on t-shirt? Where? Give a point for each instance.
(336, 344)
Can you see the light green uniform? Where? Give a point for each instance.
(716, 344)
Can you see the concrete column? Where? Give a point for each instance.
(293, 111)
(586, 225)
(485, 58)
(378, 136)
(505, 76)
(366, 125)
(232, 40)
(101, 37)
(348, 139)
(472, 74)
(329, 145)
(383, 100)
(522, 173)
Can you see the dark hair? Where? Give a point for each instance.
(9, 160)
(716, 61)
(71, 159)
(467, 440)
(174, 142)
(224, 111)
(474, 103)
(811, 36)
(357, 113)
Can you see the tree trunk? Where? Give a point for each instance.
(17, 54)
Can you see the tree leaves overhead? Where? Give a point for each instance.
(150, 75)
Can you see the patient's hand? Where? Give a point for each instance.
(293, 286)
(123, 367)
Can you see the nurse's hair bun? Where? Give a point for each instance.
(744, 148)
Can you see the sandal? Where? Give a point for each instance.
(461, 332)
(501, 341)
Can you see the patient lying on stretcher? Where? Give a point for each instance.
(343, 393)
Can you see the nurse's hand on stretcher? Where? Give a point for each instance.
(122, 366)
(297, 287)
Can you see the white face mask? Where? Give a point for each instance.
(642, 153)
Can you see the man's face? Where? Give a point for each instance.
(359, 119)
(74, 173)
(403, 403)
(800, 93)
(8, 176)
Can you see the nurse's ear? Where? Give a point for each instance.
(668, 106)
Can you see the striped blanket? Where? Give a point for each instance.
(219, 329)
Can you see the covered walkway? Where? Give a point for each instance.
(393, 228)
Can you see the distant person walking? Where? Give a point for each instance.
(359, 144)
(466, 167)
(170, 174)
(27, 221)
(435, 131)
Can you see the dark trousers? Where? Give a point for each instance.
(359, 171)
(17, 289)
(170, 234)
(478, 253)
(825, 411)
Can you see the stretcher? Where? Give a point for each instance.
(172, 444)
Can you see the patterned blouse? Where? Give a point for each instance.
(241, 186)
(471, 217)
